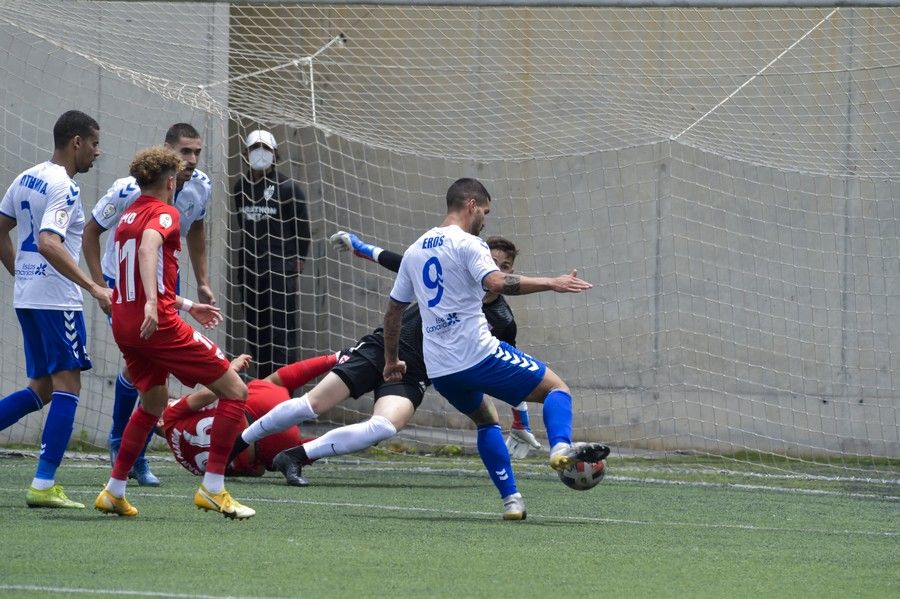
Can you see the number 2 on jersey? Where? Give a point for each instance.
(434, 280)
(126, 253)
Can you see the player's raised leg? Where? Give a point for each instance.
(391, 414)
(330, 391)
(557, 412)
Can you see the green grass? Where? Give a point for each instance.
(402, 526)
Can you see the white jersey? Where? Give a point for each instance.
(191, 202)
(444, 270)
(45, 198)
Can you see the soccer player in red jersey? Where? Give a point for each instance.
(187, 422)
(156, 342)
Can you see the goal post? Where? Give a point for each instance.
(727, 179)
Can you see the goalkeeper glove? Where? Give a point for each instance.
(344, 241)
(520, 442)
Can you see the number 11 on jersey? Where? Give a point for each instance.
(126, 253)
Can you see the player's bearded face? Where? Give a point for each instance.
(478, 218)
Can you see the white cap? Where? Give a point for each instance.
(261, 137)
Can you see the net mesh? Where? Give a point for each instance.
(726, 178)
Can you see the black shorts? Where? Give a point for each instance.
(364, 372)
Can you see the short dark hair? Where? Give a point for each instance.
(179, 130)
(462, 190)
(503, 244)
(70, 124)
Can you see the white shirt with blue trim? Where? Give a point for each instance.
(444, 270)
(44, 198)
(191, 201)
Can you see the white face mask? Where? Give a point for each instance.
(260, 159)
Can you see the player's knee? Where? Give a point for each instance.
(382, 428)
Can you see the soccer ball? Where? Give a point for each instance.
(583, 475)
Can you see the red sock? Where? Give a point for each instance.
(299, 373)
(229, 421)
(133, 439)
(517, 419)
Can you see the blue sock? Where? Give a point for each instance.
(57, 432)
(558, 417)
(125, 398)
(495, 456)
(16, 406)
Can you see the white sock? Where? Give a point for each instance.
(350, 438)
(214, 483)
(281, 417)
(522, 407)
(41, 484)
(116, 487)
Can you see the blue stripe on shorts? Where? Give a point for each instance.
(508, 374)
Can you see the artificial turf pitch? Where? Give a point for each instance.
(410, 527)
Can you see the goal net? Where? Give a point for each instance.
(727, 180)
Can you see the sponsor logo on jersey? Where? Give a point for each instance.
(62, 218)
(165, 221)
(28, 271)
(109, 211)
(443, 323)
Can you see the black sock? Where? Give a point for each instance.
(239, 446)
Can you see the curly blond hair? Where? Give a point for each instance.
(151, 166)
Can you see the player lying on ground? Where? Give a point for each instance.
(447, 271)
(497, 311)
(187, 423)
(156, 342)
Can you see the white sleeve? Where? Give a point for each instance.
(62, 202)
(403, 290)
(110, 207)
(478, 259)
(7, 208)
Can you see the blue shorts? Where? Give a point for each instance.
(55, 341)
(508, 374)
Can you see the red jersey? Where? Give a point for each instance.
(128, 296)
(188, 433)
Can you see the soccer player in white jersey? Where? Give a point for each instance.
(448, 270)
(44, 203)
(192, 197)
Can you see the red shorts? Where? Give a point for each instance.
(178, 350)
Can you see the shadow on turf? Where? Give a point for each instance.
(455, 517)
(338, 483)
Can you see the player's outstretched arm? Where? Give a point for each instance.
(7, 251)
(207, 315)
(513, 284)
(346, 242)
